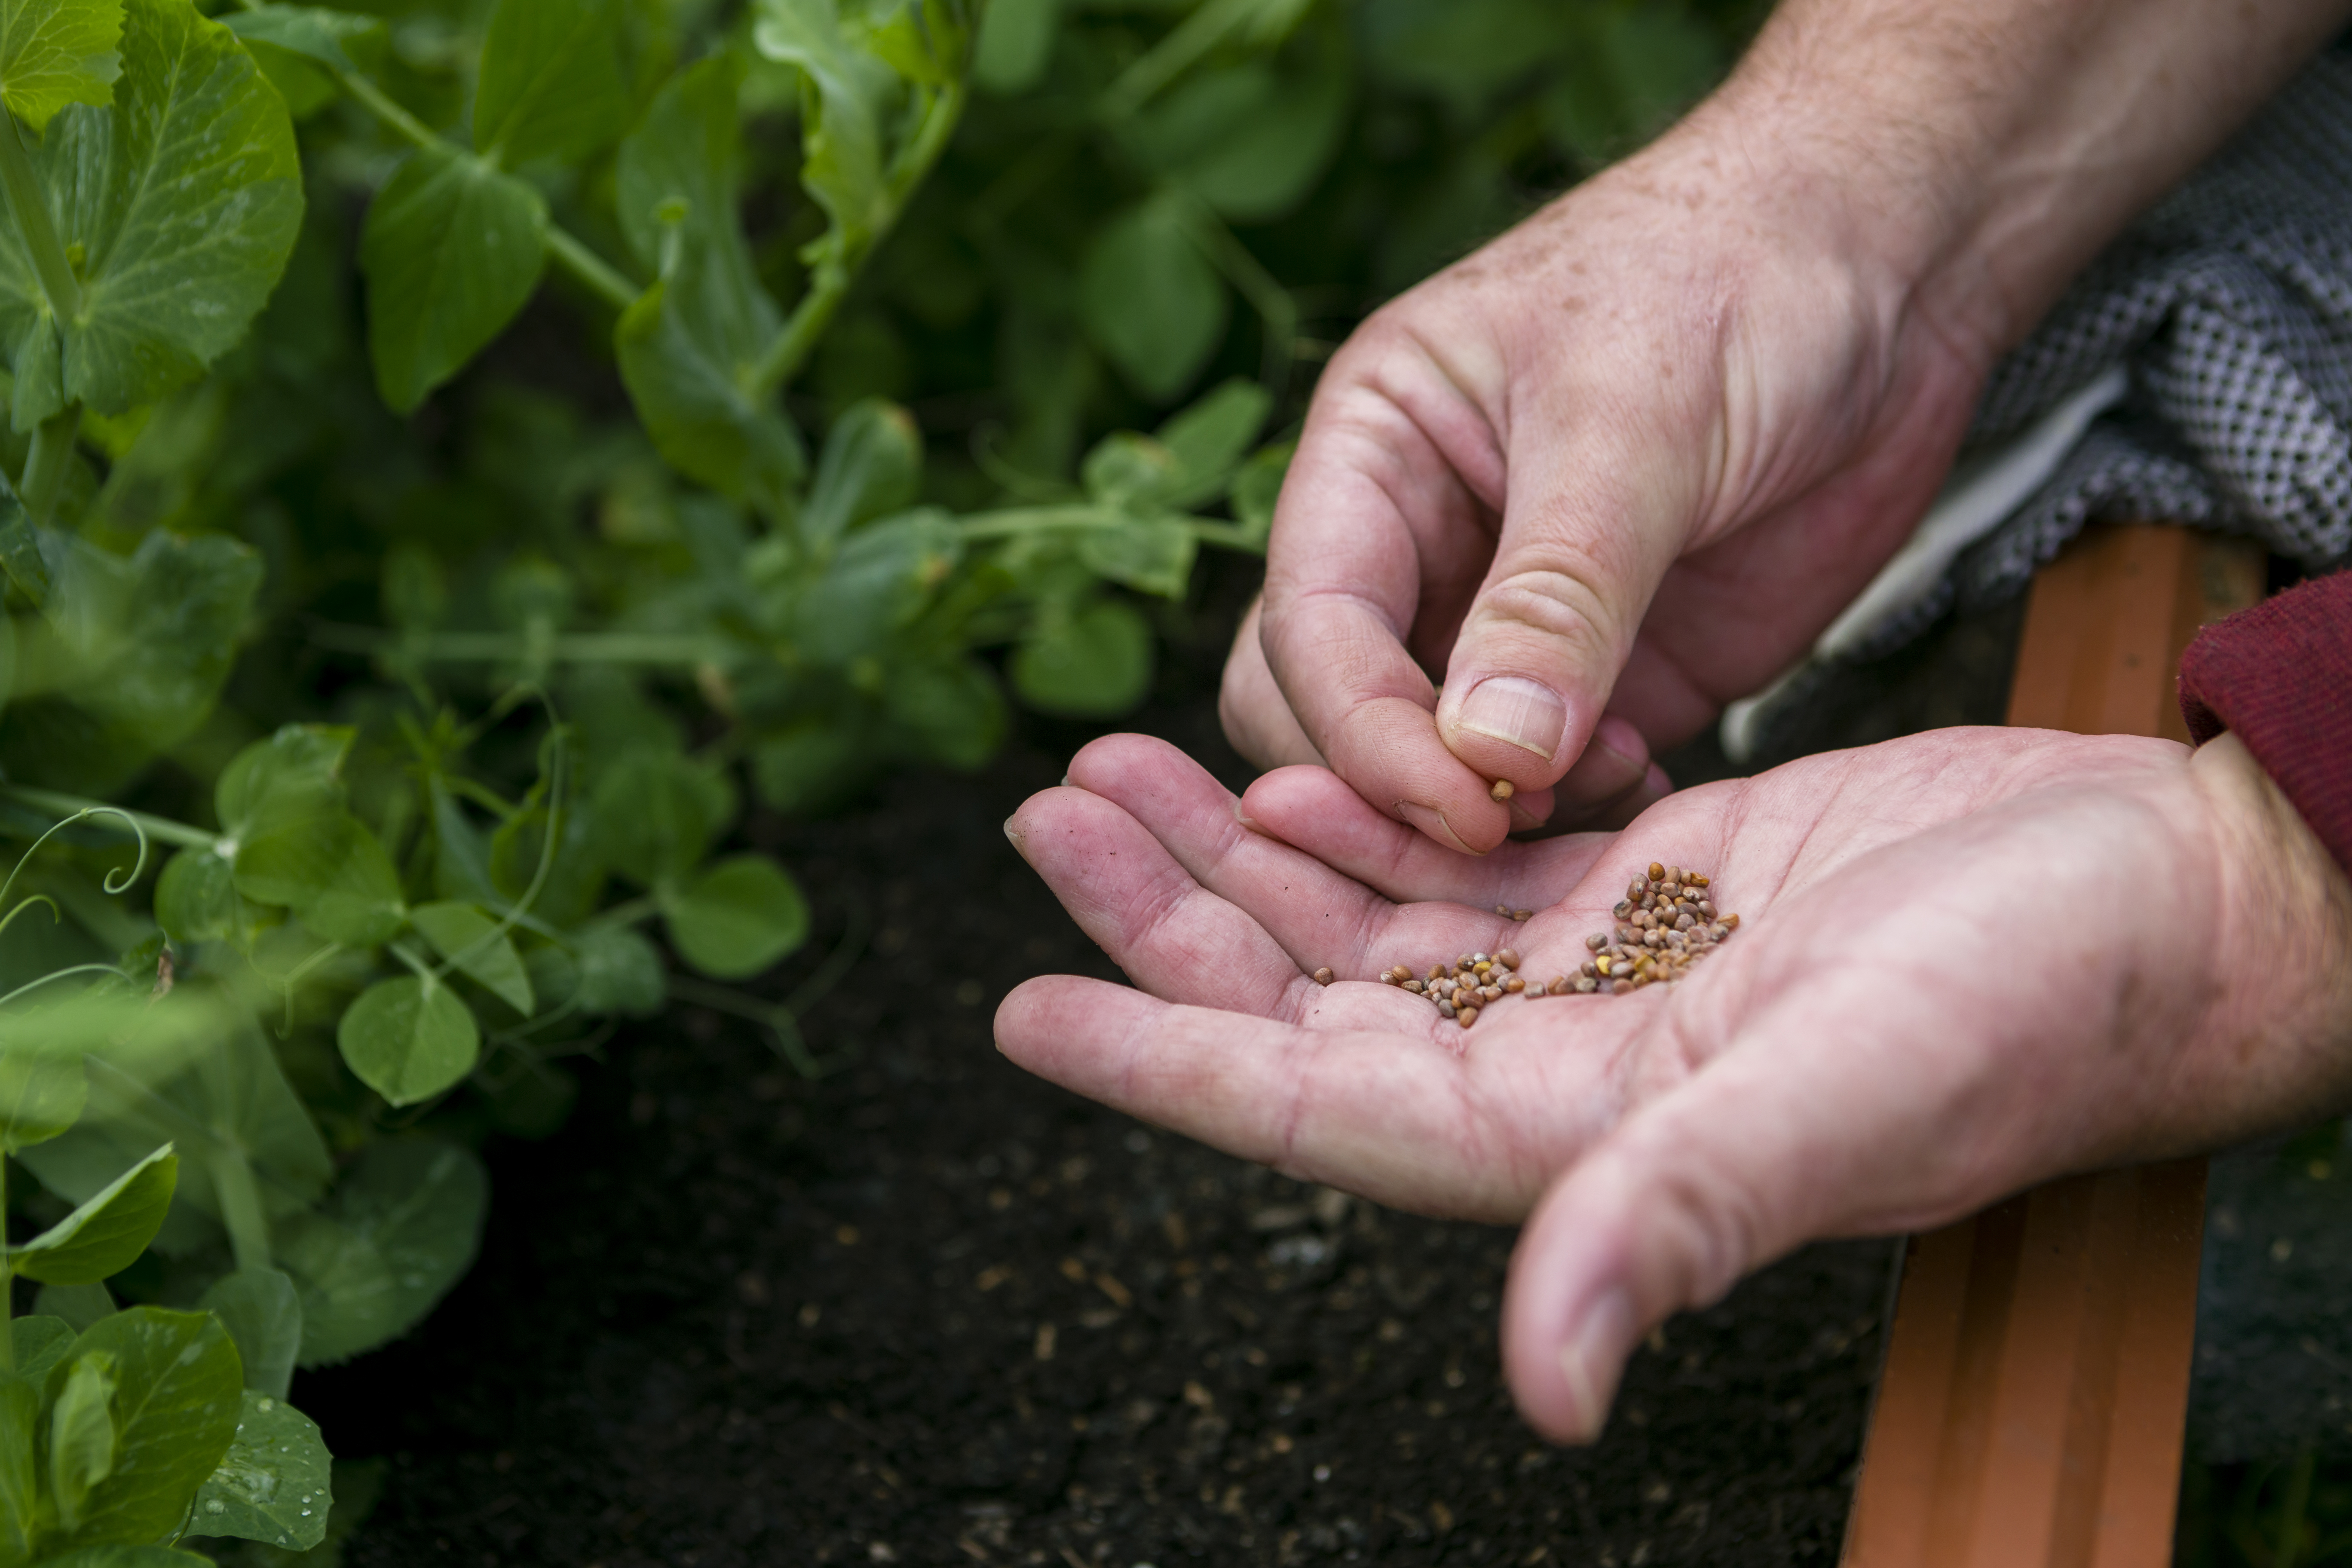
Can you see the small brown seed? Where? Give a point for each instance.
(1673, 873)
(1634, 890)
(1515, 983)
(1587, 985)
(1467, 1017)
(1323, 977)
(1414, 986)
(1589, 967)
(1445, 1009)
(1730, 922)
(1507, 958)
(1533, 991)
(1657, 872)
(1502, 790)
(1624, 907)
(1684, 922)
(1595, 943)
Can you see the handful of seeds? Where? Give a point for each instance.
(1667, 922)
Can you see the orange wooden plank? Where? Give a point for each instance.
(2031, 1411)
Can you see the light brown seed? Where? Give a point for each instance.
(1555, 985)
(1596, 941)
(1445, 1009)
(1515, 983)
(1523, 916)
(1323, 977)
(1729, 922)
(1533, 991)
(1657, 872)
(1414, 986)
(1509, 958)
(1587, 985)
(1467, 1017)
(1673, 873)
(1502, 790)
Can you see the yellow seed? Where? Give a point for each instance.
(1502, 790)
(1601, 964)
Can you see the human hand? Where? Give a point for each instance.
(1968, 961)
(1626, 462)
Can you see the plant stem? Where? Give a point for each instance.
(8, 1281)
(1278, 312)
(1012, 522)
(32, 209)
(241, 1211)
(829, 284)
(161, 829)
(590, 269)
(48, 462)
(1195, 36)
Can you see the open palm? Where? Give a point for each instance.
(1969, 960)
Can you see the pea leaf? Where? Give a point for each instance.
(737, 919)
(876, 583)
(619, 971)
(1151, 301)
(1258, 484)
(264, 1316)
(1209, 437)
(408, 1039)
(184, 195)
(56, 52)
(399, 1229)
(872, 465)
(41, 1095)
(297, 768)
(1152, 555)
(689, 345)
(103, 1237)
(20, 1401)
(297, 48)
(807, 766)
(40, 1341)
(20, 558)
(132, 662)
(1091, 664)
(174, 1404)
(325, 865)
(848, 93)
(551, 81)
(196, 899)
(121, 1556)
(655, 815)
(274, 1485)
(949, 710)
(82, 1435)
(451, 249)
(1249, 140)
(474, 945)
(1016, 40)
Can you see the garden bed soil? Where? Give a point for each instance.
(933, 1311)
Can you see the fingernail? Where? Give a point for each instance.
(1244, 818)
(1432, 823)
(1020, 843)
(1523, 712)
(1590, 1358)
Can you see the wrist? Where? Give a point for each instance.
(2284, 1013)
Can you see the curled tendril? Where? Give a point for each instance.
(55, 915)
(116, 880)
(66, 972)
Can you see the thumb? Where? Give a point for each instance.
(1541, 646)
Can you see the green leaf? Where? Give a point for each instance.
(1016, 40)
(1090, 665)
(196, 899)
(103, 1237)
(1152, 555)
(41, 1341)
(184, 194)
(808, 765)
(20, 558)
(872, 465)
(274, 1485)
(1258, 484)
(173, 1410)
(399, 1229)
(299, 47)
(20, 1402)
(1208, 438)
(656, 813)
(952, 711)
(297, 768)
(120, 1556)
(41, 1095)
(327, 868)
(263, 1314)
(82, 1437)
(619, 971)
(1249, 141)
(452, 249)
(877, 582)
(408, 1039)
(474, 945)
(1151, 301)
(136, 663)
(689, 345)
(848, 94)
(56, 52)
(551, 81)
(737, 919)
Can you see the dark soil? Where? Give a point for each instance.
(933, 1311)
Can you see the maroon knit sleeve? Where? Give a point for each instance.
(2279, 675)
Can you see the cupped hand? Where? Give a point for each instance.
(1968, 961)
(1612, 471)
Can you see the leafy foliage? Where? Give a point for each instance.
(457, 448)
